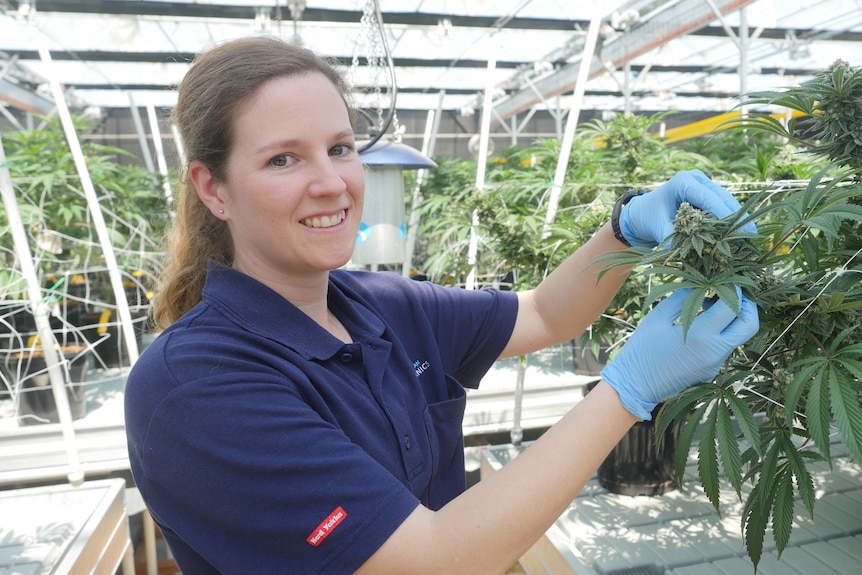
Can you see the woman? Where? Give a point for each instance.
(294, 417)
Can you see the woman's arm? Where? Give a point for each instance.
(569, 299)
(489, 527)
(572, 297)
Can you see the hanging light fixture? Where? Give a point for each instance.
(382, 237)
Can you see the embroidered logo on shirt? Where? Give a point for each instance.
(327, 527)
(420, 366)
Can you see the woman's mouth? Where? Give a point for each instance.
(325, 221)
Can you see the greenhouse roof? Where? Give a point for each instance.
(679, 54)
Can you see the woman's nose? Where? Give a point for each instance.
(326, 177)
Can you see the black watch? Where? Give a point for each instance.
(618, 208)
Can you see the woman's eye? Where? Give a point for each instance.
(339, 150)
(281, 161)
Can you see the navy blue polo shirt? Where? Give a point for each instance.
(263, 444)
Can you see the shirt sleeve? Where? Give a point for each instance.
(471, 327)
(252, 479)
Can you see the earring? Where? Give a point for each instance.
(221, 212)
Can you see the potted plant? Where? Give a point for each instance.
(781, 398)
(66, 249)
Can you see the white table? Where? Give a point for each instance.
(66, 530)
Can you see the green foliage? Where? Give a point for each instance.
(754, 155)
(54, 209)
(832, 104)
(514, 241)
(636, 155)
(782, 398)
(41, 163)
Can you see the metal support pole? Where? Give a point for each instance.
(160, 152)
(484, 134)
(429, 143)
(572, 120)
(627, 87)
(94, 208)
(40, 309)
(744, 42)
(142, 137)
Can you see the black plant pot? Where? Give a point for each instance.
(103, 331)
(36, 402)
(638, 465)
(584, 360)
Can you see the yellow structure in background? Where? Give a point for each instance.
(709, 125)
(702, 127)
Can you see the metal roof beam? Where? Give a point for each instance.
(309, 14)
(24, 99)
(682, 18)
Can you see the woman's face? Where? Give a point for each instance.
(295, 185)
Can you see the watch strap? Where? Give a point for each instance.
(618, 210)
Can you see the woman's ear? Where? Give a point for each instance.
(208, 188)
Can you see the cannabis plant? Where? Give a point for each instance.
(54, 206)
(779, 400)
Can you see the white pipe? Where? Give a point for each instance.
(744, 42)
(178, 146)
(160, 151)
(574, 114)
(482, 162)
(40, 309)
(94, 208)
(429, 141)
(142, 138)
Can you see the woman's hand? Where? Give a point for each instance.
(647, 220)
(659, 361)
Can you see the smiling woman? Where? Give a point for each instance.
(315, 412)
(294, 160)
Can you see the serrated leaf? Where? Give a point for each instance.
(728, 446)
(683, 403)
(782, 510)
(768, 469)
(691, 306)
(697, 244)
(847, 412)
(755, 518)
(661, 290)
(853, 366)
(707, 459)
(799, 384)
(804, 482)
(685, 439)
(746, 421)
(817, 410)
(729, 295)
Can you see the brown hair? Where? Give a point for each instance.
(219, 82)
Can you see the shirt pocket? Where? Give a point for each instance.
(443, 421)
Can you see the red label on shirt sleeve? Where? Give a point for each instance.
(327, 527)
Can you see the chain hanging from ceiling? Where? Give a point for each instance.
(374, 49)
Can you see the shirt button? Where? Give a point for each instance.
(407, 442)
(346, 357)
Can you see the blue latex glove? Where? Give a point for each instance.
(656, 364)
(648, 219)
